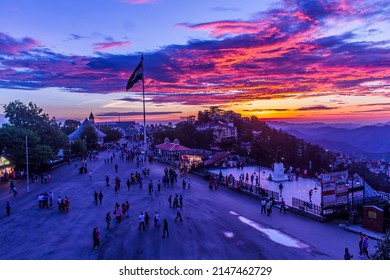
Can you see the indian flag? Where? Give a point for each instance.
(136, 76)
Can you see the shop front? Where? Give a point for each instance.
(7, 169)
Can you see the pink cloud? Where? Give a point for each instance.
(12, 46)
(223, 28)
(109, 45)
(137, 1)
(281, 54)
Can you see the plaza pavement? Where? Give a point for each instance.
(34, 233)
(291, 188)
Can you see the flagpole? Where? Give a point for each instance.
(28, 181)
(143, 102)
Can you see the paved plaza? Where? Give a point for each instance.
(291, 188)
(217, 224)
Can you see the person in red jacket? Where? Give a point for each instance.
(96, 238)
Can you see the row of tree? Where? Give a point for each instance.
(45, 136)
(256, 140)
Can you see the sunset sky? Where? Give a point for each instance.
(296, 61)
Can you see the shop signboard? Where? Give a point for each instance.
(334, 189)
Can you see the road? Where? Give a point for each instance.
(217, 224)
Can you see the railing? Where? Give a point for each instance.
(306, 206)
(359, 202)
(245, 187)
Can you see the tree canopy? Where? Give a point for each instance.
(112, 134)
(44, 135)
(70, 126)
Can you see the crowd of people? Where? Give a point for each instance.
(167, 181)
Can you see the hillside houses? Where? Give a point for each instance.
(221, 130)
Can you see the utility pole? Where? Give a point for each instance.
(27, 168)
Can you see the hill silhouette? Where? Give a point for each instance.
(370, 141)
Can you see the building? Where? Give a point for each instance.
(171, 151)
(131, 130)
(77, 134)
(221, 130)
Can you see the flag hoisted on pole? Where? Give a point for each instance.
(137, 75)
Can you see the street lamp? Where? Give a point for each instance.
(315, 187)
(27, 166)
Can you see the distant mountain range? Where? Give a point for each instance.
(371, 141)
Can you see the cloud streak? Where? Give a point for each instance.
(130, 114)
(109, 45)
(285, 52)
(14, 47)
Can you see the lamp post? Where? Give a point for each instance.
(27, 167)
(352, 193)
(315, 187)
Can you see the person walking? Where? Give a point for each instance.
(96, 195)
(127, 204)
(156, 219)
(175, 201)
(51, 198)
(310, 194)
(280, 188)
(147, 218)
(365, 248)
(107, 181)
(268, 207)
(263, 206)
(361, 239)
(128, 183)
(165, 229)
(116, 168)
(170, 201)
(141, 219)
(108, 220)
(117, 213)
(100, 197)
(347, 254)
(184, 184)
(59, 203)
(96, 238)
(8, 208)
(283, 206)
(178, 213)
(181, 201)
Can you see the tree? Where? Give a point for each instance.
(112, 134)
(90, 137)
(78, 147)
(13, 141)
(382, 247)
(32, 117)
(70, 126)
(41, 156)
(44, 135)
(21, 115)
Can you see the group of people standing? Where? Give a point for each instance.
(266, 206)
(363, 248)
